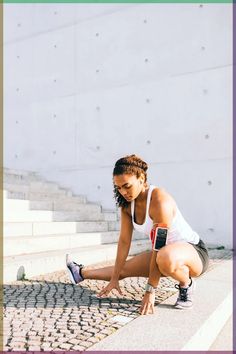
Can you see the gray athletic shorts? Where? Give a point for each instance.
(203, 254)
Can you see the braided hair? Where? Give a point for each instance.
(130, 164)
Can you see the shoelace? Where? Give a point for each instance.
(183, 292)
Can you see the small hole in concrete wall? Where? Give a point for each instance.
(98, 108)
(98, 187)
(54, 152)
(147, 100)
(211, 229)
(148, 142)
(97, 71)
(55, 12)
(18, 57)
(55, 46)
(17, 89)
(209, 183)
(203, 48)
(207, 136)
(97, 34)
(16, 156)
(54, 115)
(201, 6)
(18, 24)
(146, 60)
(98, 147)
(145, 21)
(16, 121)
(55, 80)
(205, 91)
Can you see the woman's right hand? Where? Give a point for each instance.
(113, 284)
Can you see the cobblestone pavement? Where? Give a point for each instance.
(49, 313)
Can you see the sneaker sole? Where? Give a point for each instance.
(71, 276)
(179, 307)
(69, 272)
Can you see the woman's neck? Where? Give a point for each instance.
(142, 195)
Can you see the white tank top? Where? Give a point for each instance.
(179, 230)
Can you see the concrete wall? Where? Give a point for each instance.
(86, 84)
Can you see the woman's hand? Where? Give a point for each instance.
(147, 306)
(113, 284)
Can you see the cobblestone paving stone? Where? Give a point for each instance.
(48, 313)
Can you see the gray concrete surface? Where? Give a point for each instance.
(49, 313)
(172, 329)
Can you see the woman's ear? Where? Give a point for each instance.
(141, 179)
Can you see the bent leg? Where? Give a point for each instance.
(137, 266)
(179, 260)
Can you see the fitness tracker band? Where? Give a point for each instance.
(149, 288)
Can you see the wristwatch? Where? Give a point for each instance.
(149, 288)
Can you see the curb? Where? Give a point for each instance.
(171, 329)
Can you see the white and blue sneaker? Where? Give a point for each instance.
(74, 270)
(185, 298)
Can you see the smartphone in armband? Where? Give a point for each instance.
(160, 238)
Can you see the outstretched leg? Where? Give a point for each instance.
(137, 266)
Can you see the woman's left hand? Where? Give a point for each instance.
(147, 306)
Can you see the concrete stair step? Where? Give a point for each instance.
(178, 330)
(19, 205)
(52, 228)
(28, 216)
(46, 262)
(14, 208)
(110, 216)
(53, 216)
(9, 172)
(63, 204)
(114, 225)
(16, 245)
(37, 196)
(31, 187)
(83, 215)
(15, 205)
(20, 179)
(113, 211)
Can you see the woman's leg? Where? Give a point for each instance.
(137, 266)
(180, 261)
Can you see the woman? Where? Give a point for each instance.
(145, 208)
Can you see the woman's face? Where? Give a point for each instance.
(129, 186)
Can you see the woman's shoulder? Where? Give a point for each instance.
(161, 197)
(160, 193)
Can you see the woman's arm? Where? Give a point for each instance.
(123, 243)
(161, 211)
(122, 252)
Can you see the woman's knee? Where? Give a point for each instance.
(168, 261)
(122, 275)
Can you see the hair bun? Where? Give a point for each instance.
(144, 166)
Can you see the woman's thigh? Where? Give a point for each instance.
(137, 266)
(183, 253)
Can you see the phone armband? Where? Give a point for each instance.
(158, 236)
